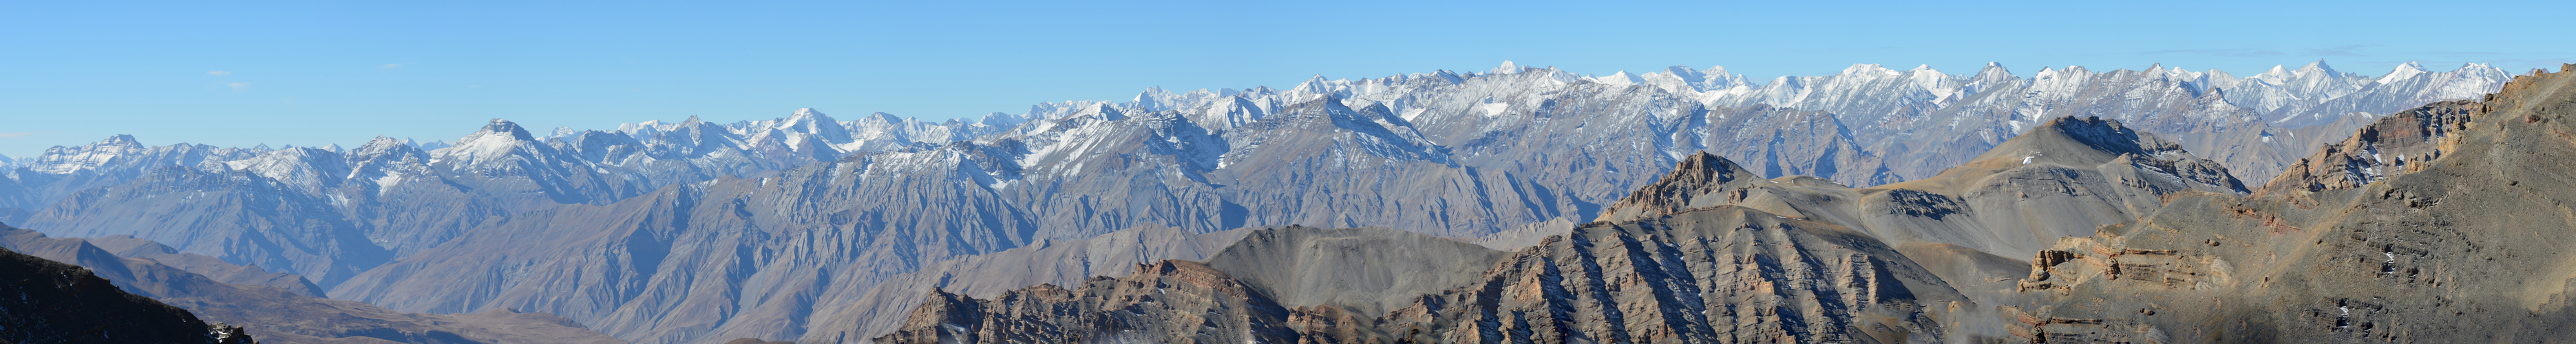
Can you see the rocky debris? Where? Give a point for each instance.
(62, 303)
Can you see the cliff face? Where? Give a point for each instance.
(2398, 144)
(62, 303)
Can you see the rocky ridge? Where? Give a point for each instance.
(1721, 274)
(2430, 250)
(1447, 153)
(2434, 249)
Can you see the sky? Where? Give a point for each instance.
(316, 73)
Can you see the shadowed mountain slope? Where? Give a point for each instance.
(284, 315)
(62, 303)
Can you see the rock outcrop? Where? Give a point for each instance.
(2397, 144)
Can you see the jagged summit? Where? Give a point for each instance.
(501, 128)
(2319, 66)
(118, 139)
(2104, 138)
(1691, 180)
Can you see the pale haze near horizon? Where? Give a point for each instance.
(313, 74)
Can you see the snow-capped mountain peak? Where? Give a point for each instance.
(2406, 70)
(498, 129)
(1868, 69)
(2317, 67)
(72, 159)
(1616, 79)
(497, 139)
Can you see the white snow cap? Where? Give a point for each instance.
(1621, 78)
(505, 126)
(2319, 66)
(1507, 68)
(2408, 70)
(1871, 68)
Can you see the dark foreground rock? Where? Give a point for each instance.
(62, 303)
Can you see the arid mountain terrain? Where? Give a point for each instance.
(1518, 203)
(2436, 224)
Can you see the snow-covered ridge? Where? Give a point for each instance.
(1443, 152)
(1870, 97)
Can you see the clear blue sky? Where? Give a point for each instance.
(314, 73)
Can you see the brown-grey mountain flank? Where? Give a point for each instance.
(1516, 204)
(2443, 223)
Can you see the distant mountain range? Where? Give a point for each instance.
(694, 232)
(2422, 227)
